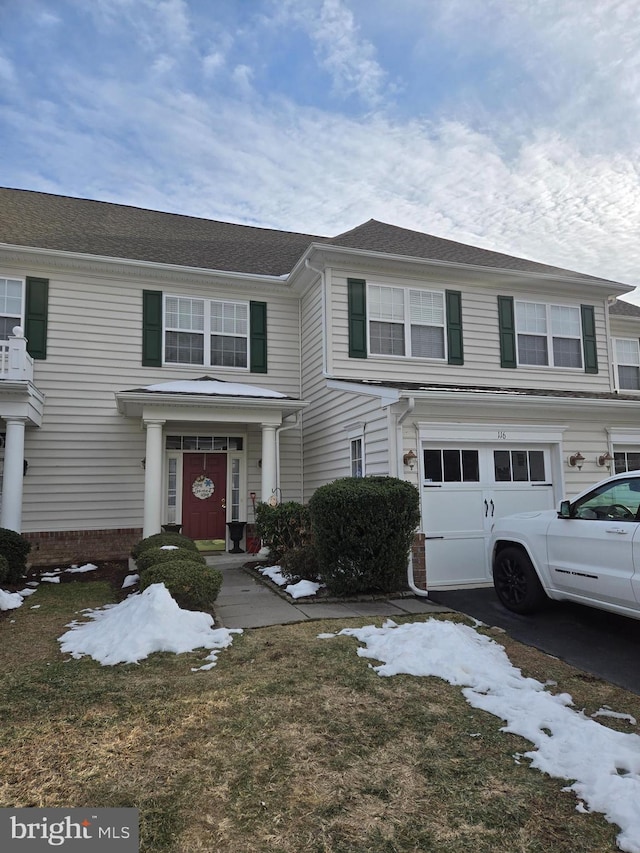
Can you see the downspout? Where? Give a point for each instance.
(411, 404)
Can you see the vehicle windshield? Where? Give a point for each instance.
(619, 500)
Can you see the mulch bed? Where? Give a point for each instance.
(112, 571)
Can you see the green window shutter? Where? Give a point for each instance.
(357, 304)
(258, 334)
(589, 342)
(506, 320)
(454, 327)
(152, 328)
(36, 313)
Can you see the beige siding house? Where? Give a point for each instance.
(160, 369)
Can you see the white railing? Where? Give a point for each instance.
(15, 361)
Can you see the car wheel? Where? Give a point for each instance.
(516, 582)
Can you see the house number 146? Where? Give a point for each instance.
(502, 435)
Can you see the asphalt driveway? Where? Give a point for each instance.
(597, 642)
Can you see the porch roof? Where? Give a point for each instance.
(207, 398)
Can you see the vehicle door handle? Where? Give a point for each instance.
(616, 530)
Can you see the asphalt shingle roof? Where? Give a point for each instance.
(47, 221)
(624, 309)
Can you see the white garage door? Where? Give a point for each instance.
(465, 489)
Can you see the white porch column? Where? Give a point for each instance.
(269, 467)
(153, 479)
(11, 514)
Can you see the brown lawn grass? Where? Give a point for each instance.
(290, 744)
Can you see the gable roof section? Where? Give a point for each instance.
(382, 237)
(620, 308)
(46, 221)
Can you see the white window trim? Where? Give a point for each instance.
(407, 323)
(618, 364)
(23, 282)
(205, 332)
(549, 336)
(356, 432)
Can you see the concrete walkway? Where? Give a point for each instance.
(245, 602)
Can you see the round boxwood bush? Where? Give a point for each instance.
(4, 569)
(14, 548)
(363, 529)
(159, 539)
(192, 585)
(155, 556)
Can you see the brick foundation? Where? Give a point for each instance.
(77, 547)
(419, 561)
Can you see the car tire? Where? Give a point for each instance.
(516, 582)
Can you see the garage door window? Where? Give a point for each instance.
(624, 461)
(519, 466)
(451, 466)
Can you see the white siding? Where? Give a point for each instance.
(481, 340)
(85, 467)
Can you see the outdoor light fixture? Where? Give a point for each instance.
(25, 468)
(576, 460)
(604, 459)
(409, 460)
(143, 463)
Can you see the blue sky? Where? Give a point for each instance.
(509, 124)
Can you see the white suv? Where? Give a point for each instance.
(588, 551)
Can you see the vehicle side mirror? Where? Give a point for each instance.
(565, 509)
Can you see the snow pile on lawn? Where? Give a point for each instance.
(301, 589)
(604, 763)
(9, 600)
(142, 624)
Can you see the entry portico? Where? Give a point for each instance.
(235, 412)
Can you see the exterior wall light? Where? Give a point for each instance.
(25, 468)
(409, 460)
(604, 459)
(576, 460)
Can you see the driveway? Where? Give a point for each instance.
(597, 642)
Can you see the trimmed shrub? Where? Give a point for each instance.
(4, 568)
(363, 530)
(300, 563)
(14, 548)
(158, 539)
(155, 556)
(283, 527)
(192, 585)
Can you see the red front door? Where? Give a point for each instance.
(204, 492)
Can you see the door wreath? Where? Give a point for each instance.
(203, 487)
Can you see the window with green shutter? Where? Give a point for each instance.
(357, 307)
(258, 336)
(152, 328)
(507, 330)
(455, 349)
(589, 342)
(36, 316)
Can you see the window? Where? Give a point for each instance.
(624, 461)
(627, 353)
(451, 466)
(405, 322)
(619, 500)
(203, 443)
(207, 332)
(10, 306)
(548, 335)
(357, 457)
(518, 466)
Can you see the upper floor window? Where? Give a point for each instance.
(548, 335)
(406, 322)
(206, 331)
(10, 306)
(627, 352)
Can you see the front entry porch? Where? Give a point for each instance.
(201, 436)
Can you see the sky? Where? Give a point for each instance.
(513, 125)
(601, 764)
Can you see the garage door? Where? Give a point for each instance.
(465, 489)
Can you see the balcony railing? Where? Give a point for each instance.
(15, 362)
